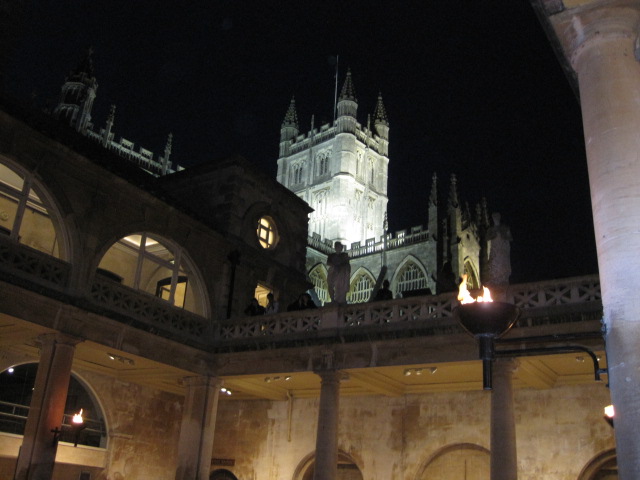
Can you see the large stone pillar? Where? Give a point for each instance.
(195, 445)
(326, 466)
(602, 42)
(37, 455)
(504, 461)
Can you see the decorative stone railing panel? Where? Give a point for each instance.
(32, 265)
(304, 321)
(554, 293)
(149, 312)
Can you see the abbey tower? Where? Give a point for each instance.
(340, 170)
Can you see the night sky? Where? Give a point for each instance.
(470, 88)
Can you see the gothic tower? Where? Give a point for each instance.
(339, 169)
(77, 96)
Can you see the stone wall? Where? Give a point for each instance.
(559, 431)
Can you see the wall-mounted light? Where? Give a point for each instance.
(277, 378)
(121, 359)
(225, 390)
(609, 413)
(419, 371)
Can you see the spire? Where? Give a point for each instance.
(380, 113)
(453, 192)
(433, 196)
(85, 66)
(348, 92)
(166, 164)
(107, 135)
(291, 117)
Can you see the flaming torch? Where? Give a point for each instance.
(485, 320)
(78, 426)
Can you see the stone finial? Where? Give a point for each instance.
(453, 192)
(380, 113)
(433, 196)
(348, 92)
(291, 117)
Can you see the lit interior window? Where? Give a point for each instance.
(267, 235)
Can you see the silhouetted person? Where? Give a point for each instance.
(384, 293)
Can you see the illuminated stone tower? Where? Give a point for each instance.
(339, 169)
(77, 96)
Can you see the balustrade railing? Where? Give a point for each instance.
(426, 312)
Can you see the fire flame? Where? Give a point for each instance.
(465, 297)
(77, 417)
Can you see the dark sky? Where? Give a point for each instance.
(471, 88)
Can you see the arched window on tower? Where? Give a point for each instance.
(26, 214)
(361, 288)
(372, 171)
(411, 278)
(323, 163)
(156, 266)
(296, 174)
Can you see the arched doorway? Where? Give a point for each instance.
(463, 461)
(347, 468)
(222, 474)
(603, 466)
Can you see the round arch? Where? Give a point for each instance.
(458, 460)
(604, 466)
(410, 275)
(222, 474)
(29, 213)
(360, 286)
(154, 264)
(16, 385)
(347, 467)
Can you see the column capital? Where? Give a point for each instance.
(58, 338)
(201, 381)
(594, 25)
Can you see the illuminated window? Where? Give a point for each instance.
(154, 266)
(411, 278)
(267, 234)
(361, 289)
(25, 215)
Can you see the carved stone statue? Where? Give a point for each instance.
(499, 253)
(339, 273)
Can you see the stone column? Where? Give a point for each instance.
(504, 462)
(37, 455)
(195, 445)
(603, 39)
(326, 466)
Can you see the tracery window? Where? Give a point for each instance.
(372, 171)
(411, 278)
(158, 267)
(267, 232)
(25, 214)
(296, 174)
(323, 163)
(361, 288)
(319, 279)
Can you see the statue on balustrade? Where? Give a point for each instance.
(339, 274)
